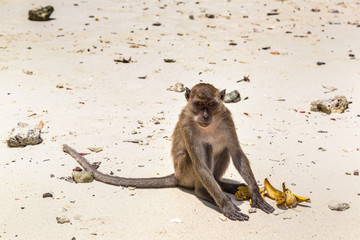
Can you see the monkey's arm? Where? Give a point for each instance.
(242, 164)
(197, 155)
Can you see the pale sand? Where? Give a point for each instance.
(115, 99)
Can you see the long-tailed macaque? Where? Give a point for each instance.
(203, 141)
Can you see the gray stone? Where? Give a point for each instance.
(41, 14)
(62, 220)
(82, 177)
(339, 206)
(24, 135)
(252, 210)
(337, 104)
(232, 97)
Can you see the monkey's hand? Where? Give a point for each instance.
(258, 201)
(231, 211)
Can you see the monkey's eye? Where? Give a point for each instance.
(200, 104)
(211, 104)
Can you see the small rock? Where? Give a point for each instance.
(96, 149)
(176, 220)
(24, 135)
(62, 220)
(334, 105)
(82, 177)
(252, 210)
(356, 172)
(169, 60)
(339, 206)
(232, 97)
(179, 87)
(223, 218)
(41, 14)
(78, 217)
(208, 15)
(47, 195)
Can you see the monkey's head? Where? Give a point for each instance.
(205, 102)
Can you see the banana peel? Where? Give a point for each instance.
(299, 199)
(243, 193)
(274, 193)
(285, 196)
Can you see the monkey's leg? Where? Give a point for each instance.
(202, 193)
(221, 164)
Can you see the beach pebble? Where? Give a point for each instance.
(179, 87)
(78, 217)
(82, 177)
(47, 195)
(337, 104)
(96, 149)
(232, 97)
(62, 220)
(176, 220)
(339, 206)
(24, 135)
(252, 210)
(41, 14)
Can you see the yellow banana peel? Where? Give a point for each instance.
(299, 199)
(302, 199)
(290, 199)
(243, 193)
(274, 193)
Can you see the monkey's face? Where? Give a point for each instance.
(204, 111)
(205, 102)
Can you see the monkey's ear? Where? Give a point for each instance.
(187, 94)
(222, 94)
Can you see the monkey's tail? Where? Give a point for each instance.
(161, 182)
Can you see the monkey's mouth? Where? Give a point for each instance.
(204, 124)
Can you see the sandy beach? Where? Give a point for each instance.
(71, 73)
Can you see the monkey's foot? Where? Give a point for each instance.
(232, 212)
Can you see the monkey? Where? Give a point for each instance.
(203, 142)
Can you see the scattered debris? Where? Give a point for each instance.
(330, 88)
(77, 169)
(41, 14)
(232, 97)
(24, 135)
(176, 220)
(275, 53)
(338, 104)
(356, 172)
(169, 60)
(252, 210)
(209, 15)
(95, 149)
(62, 220)
(47, 195)
(244, 79)
(123, 60)
(178, 87)
(223, 218)
(320, 63)
(82, 177)
(339, 206)
(157, 24)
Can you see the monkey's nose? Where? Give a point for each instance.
(205, 115)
